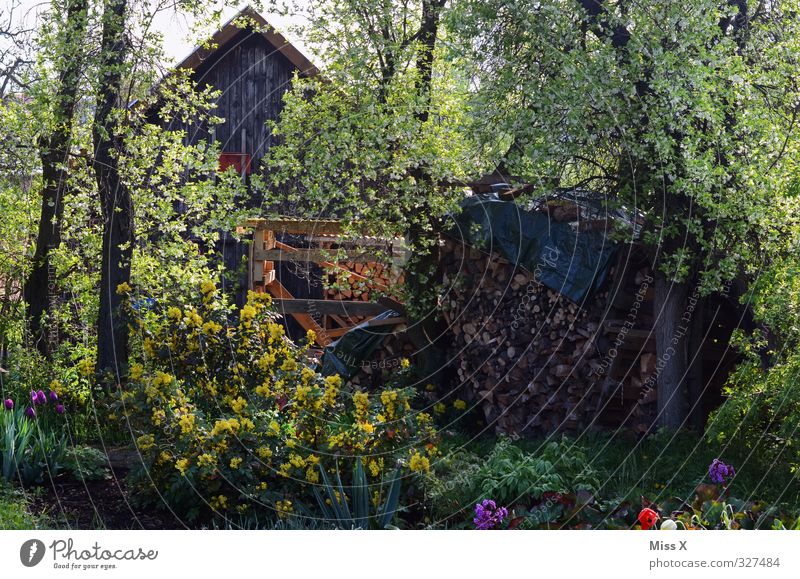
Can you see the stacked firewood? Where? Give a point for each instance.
(533, 361)
(365, 282)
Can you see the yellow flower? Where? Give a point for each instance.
(219, 502)
(230, 425)
(238, 405)
(193, 319)
(284, 508)
(430, 387)
(361, 401)
(136, 371)
(248, 312)
(312, 476)
(459, 404)
(174, 313)
(375, 467)
(262, 486)
(158, 417)
(86, 367)
(182, 465)
(146, 442)
(289, 365)
(439, 408)
(264, 389)
(206, 460)
(424, 418)
(123, 288)
(211, 328)
(274, 428)
(263, 452)
(275, 330)
(207, 287)
(419, 463)
(311, 336)
(367, 427)
(187, 423)
(404, 363)
(235, 462)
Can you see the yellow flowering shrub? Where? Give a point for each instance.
(230, 416)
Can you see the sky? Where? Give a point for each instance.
(176, 28)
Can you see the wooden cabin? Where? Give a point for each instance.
(252, 65)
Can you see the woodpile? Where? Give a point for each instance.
(362, 281)
(533, 361)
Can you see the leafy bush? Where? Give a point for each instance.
(511, 475)
(87, 463)
(761, 416)
(231, 418)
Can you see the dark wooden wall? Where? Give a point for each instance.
(252, 77)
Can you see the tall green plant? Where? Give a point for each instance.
(336, 508)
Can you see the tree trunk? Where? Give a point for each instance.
(695, 383)
(115, 199)
(671, 333)
(54, 149)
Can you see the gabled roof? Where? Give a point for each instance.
(231, 29)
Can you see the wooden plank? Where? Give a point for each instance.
(277, 290)
(392, 304)
(338, 332)
(396, 243)
(313, 255)
(327, 307)
(287, 225)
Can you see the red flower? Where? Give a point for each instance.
(647, 517)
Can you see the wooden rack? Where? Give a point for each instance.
(327, 318)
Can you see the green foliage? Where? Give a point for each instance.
(14, 511)
(86, 463)
(510, 474)
(353, 509)
(761, 416)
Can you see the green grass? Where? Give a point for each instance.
(14, 511)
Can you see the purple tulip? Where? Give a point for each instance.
(9, 404)
(40, 397)
(34, 397)
(30, 412)
(60, 408)
(53, 396)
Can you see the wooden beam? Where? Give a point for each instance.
(327, 307)
(313, 226)
(314, 255)
(277, 290)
